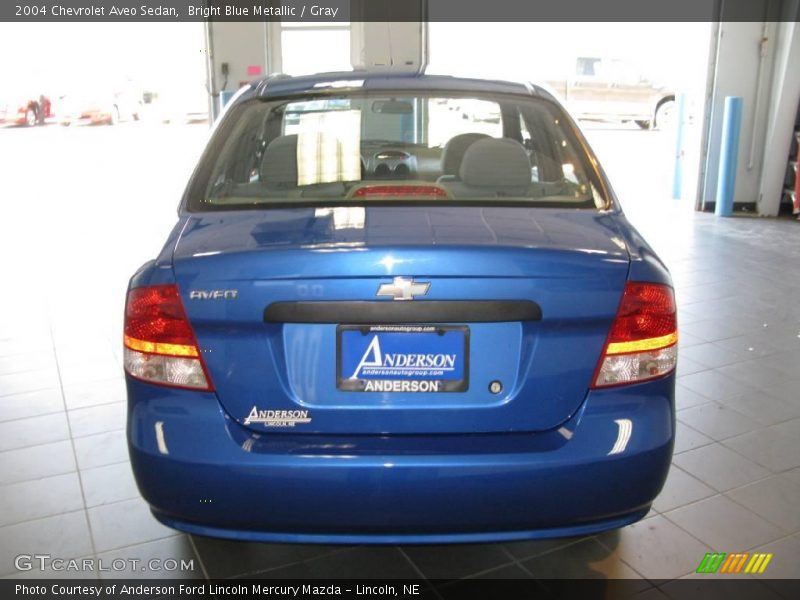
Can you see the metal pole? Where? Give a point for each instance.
(729, 156)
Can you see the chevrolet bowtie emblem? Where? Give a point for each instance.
(403, 288)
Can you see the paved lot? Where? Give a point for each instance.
(82, 208)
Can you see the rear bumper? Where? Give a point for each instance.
(203, 473)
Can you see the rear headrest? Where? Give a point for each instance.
(454, 149)
(279, 163)
(496, 163)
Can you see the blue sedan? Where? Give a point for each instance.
(399, 308)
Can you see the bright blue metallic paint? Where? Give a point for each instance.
(579, 231)
(404, 538)
(533, 462)
(576, 275)
(645, 264)
(219, 478)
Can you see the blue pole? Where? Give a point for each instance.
(729, 156)
(677, 179)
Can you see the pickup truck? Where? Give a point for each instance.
(604, 89)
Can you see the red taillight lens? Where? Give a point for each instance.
(645, 319)
(156, 322)
(404, 191)
(159, 342)
(642, 342)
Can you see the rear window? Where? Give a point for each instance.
(402, 147)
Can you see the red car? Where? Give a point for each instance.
(28, 112)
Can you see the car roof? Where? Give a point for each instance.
(284, 85)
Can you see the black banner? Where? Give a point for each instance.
(708, 587)
(341, 11)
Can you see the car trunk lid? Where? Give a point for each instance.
(567, 266)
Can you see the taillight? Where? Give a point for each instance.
(642, 343)
(159, 344)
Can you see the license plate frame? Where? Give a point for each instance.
(386, 384)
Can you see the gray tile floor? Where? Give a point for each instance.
(66, 487)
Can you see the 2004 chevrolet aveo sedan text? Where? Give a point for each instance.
(399, 309)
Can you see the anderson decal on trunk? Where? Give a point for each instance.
(277, 418)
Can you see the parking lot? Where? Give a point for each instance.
(84, 207)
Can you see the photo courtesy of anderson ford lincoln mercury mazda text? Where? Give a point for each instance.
(399, 309)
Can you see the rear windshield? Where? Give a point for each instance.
(404, 147)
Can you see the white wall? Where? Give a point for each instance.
(240, 45)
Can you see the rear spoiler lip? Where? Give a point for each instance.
(380, 312)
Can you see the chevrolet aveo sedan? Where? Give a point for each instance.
(379, 320)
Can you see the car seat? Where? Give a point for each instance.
(493, 168)
(453, 154)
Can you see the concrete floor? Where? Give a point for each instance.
(82, 208)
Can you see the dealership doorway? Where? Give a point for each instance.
(639, 97)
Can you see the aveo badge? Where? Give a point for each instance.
(408, 358)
